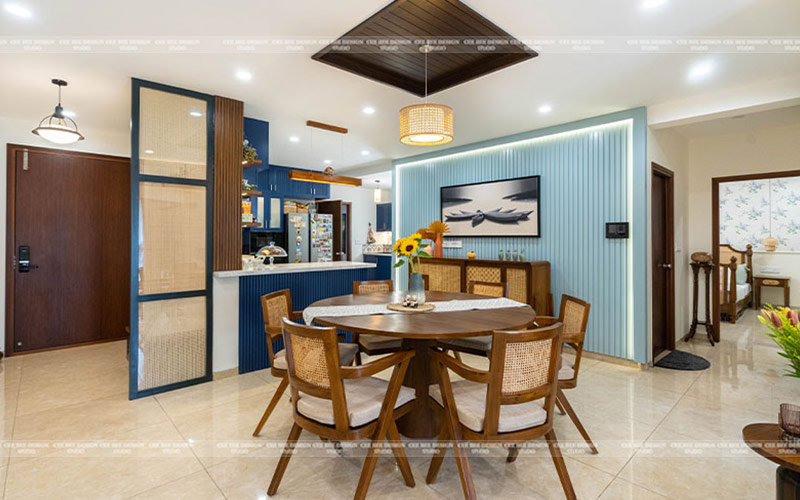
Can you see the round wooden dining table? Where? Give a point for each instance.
(420, 331)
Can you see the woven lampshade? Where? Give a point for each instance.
(770, 244)
(426, 124)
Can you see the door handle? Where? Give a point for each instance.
(666, 266)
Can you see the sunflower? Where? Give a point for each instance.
(408, 246)
(398, 245)
(415, 236)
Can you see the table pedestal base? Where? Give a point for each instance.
(423, 421)
(788, 484)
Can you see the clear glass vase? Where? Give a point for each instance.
(416, 287)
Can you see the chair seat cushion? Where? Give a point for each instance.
(567, 372)
(470, 400)
(483, 343)
(364, 398)
(347, 353)
(375, 342)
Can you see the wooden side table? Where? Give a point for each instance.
(760, 280)
(765, 439)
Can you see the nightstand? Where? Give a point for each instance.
(775, 280)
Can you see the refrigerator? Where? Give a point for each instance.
(297, 237)
(321, 238)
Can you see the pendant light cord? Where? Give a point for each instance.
(426, 76)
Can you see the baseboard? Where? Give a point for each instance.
(226, 373)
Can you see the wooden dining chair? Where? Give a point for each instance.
(480, 346)
(373, 345)
(510, 403)
(574, 315)
(343, 403)
(274, 306)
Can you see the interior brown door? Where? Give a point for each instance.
(334, 208)
(70, 213)
(663, 261)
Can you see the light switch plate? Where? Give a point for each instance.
(452, 244)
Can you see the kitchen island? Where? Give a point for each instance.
(239, 339)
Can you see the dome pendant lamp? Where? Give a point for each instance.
(58, 128)
(426, 124)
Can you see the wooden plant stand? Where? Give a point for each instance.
(696, 267)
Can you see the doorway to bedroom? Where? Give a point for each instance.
(756, 244)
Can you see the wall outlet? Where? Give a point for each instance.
(452, 244)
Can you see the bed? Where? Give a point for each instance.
(735, 295)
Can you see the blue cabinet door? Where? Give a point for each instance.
(322, 191)
(383, 217)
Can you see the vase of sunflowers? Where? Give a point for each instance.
(409, 252)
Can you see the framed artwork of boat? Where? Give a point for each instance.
(508, 207)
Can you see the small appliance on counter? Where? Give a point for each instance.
(268, 255)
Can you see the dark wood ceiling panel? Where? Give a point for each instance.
(432, 20)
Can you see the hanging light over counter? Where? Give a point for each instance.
(426, 124)
(58, 128)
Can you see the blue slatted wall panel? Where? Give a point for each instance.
(585, 179)
(306, 288)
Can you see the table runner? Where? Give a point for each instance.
(445, 306)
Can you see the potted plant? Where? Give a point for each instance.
(784, 325)
(409, 252)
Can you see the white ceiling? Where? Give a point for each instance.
(289, 88)
(738, 124)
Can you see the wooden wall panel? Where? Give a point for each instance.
(228, 136)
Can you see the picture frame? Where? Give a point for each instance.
(498, 208)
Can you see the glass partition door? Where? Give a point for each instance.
(172, 154)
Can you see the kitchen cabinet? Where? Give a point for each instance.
(383, 217)
(383, 271)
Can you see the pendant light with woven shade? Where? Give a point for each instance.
(426, 124)
(770, 243)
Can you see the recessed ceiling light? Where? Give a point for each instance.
(148, 151)
(364, 152)
(294, 138)
(545, 108)
(244, 75)
(327, 162)
(652, 4)
(195, 113)
(700, 71)
(18, 10)
(368, 110)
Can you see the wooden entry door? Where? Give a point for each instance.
(663, 261)
(71, 211)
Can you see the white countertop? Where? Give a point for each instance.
(296, 268)
(384, 254)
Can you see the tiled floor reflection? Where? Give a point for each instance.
(70, 432)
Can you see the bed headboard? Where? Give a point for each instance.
(731, 258)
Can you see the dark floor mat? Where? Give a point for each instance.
(680, 360)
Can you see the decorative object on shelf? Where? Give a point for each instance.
(696, 267)
(471, 255)
(784, 331)
(401, 307)
(507, 207)
(701, 257)
(408, 251)
(249, 153)
(57, 127)
(426, 124)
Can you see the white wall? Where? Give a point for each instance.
(761, 150)
(19, 132)
(363, 213)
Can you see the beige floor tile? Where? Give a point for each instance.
(619, 489)
(709, 419)
(203, 396)
(197, 486)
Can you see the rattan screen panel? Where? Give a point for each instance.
(442, 278)
(483, 273)
(173, 132)
(517, 284)
(172, 238)
(172, 341)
